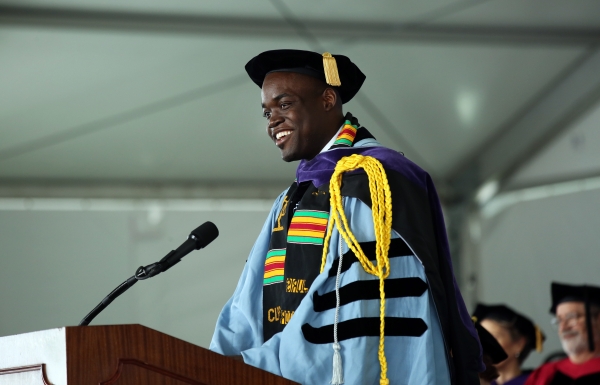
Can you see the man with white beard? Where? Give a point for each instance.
(577, 317)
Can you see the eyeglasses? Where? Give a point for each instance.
(570, 319)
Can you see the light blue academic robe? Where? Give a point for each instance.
(411, 360)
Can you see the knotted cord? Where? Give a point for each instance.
(381, 207)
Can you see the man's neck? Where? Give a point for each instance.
(334, 136)
(332, 140)
(584, 357)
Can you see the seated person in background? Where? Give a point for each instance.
(517, 335)
(492, 355)
(577, 316)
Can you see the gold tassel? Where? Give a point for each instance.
(474, 319)
(538, 339)
(332, 77)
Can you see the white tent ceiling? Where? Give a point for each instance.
(108, 91)
(573, 155)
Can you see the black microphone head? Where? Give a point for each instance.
(204, 234)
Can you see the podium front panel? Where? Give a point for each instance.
(119, 354)
(38, 356)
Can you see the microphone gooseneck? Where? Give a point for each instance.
(198, 239)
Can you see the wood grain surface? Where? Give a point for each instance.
(134, 354)
(130, 369)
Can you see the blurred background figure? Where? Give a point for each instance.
(493, 354)
(577, 318)
(517, 335)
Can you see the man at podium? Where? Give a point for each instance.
(350, 280)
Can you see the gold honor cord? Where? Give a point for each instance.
(381, 198)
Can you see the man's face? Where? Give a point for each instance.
(293, 106)
(571, 327)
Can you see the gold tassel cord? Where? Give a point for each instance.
(539, 339)
(381, 198)
(332, 76)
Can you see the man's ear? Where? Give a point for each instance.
(330, 99)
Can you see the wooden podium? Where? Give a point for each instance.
(119, 354)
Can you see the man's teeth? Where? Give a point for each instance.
(282, 134)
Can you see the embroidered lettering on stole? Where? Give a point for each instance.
(294, 256)
(282, 212)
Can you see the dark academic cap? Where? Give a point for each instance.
(524, 325)
(587, 294)
(490, 345)
(336, 70)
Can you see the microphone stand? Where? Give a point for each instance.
(198, 238)
(143, 272)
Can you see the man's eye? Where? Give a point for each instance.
(284, 106)
(267, 115)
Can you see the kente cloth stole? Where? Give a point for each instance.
(294, 257)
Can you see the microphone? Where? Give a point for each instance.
(198, 239)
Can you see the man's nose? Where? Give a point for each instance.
(275, 120)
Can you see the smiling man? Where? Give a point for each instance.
(303, 114)
(577, 318)
(350, 280)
